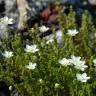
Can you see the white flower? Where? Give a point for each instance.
(72, 32)
(43, 29)
(56, 85)
(81, 66)
(40, 80)
(78, 63)
(7, 54)
(75, 60)
(31, 48)
(50, 41)
(10, 88)
(5, 20)
(64, 62)
(82, 77)
(31, 65)
(94, 61)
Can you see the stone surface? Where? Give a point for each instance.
(34, 7)
(92, 2)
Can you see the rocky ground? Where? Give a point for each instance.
(35, 7)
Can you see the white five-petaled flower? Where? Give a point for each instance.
(56, 85)
(81, 66)
(82, 77)
(43, 28)
(78, 63)
(5, 20)
(94, 61)
(31, 48)
(7, 54)
(64, 62)
(31, 65)
(75, 60)
(72, 32)
(50, 41)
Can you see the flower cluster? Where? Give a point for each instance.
(50, 38)
(76, 61)
(31, 49)
(78, 64)
(28, 49)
